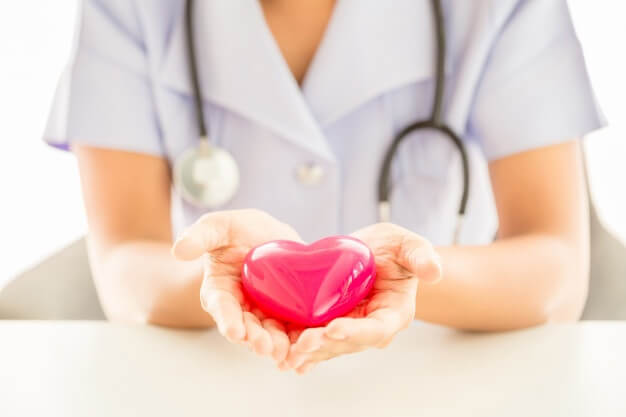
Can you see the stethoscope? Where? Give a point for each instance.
(207, 176)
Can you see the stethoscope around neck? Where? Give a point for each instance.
(207, 176)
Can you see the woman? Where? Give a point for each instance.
(307, 96)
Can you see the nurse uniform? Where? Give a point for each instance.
(310, 156)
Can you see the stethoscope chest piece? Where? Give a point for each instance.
(206, 176)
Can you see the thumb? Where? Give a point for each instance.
(210, 232)
(420, 258)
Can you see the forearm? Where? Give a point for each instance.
(512, 283)
(140, 281)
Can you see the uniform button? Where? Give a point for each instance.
(310, 174)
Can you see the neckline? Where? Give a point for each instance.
(319, 50)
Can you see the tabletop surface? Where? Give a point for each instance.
(98, 369)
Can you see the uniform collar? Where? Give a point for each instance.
(370, 47)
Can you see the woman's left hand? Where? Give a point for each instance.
(402, 259)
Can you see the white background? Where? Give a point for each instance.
(40, 204)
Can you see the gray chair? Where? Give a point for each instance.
(607, 286)
(59, 288)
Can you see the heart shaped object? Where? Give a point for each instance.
(309, 285)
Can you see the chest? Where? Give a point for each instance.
(360, 84)
(298, 28)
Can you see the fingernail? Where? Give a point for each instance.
(234, 333)
(258, 352)
(426, 264)
(182, 236)
(421, 256)
(262, 348)
(306, 368)
(296, 363)
(186, 243)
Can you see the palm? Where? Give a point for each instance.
(245, 231)
(392, 299)
(395, 286)
(401, 259)
(224, 239)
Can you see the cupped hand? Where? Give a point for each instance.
(224, 238)
(402, 260)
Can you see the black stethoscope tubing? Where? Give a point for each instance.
(193, 69)
(434, 122)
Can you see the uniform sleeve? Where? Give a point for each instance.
(104, 98)
(535, 90)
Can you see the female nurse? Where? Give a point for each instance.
(307, 96)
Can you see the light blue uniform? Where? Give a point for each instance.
(311, 156)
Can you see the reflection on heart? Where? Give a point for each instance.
(311, 284)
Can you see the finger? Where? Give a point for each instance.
(310, 340)
(280, 340)
(359, 331)
(227, 313)
(419, 257)
(329, 349)
(394, 318)
(377, 329)
(258, 338)
(282, 366)
(295, 359)
(307, 367)
(210, 232)
(306, 347)
(335, 350)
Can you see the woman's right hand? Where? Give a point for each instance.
(224, 238)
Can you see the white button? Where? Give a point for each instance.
(310, 174)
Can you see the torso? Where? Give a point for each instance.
(298, 28)
(365, 70)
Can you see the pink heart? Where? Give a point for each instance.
(311, 284)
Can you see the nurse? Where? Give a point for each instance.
(307, 96)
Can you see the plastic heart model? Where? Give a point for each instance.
(312, 284)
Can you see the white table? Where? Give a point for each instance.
(97, 369)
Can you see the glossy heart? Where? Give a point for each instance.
(311, 284)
